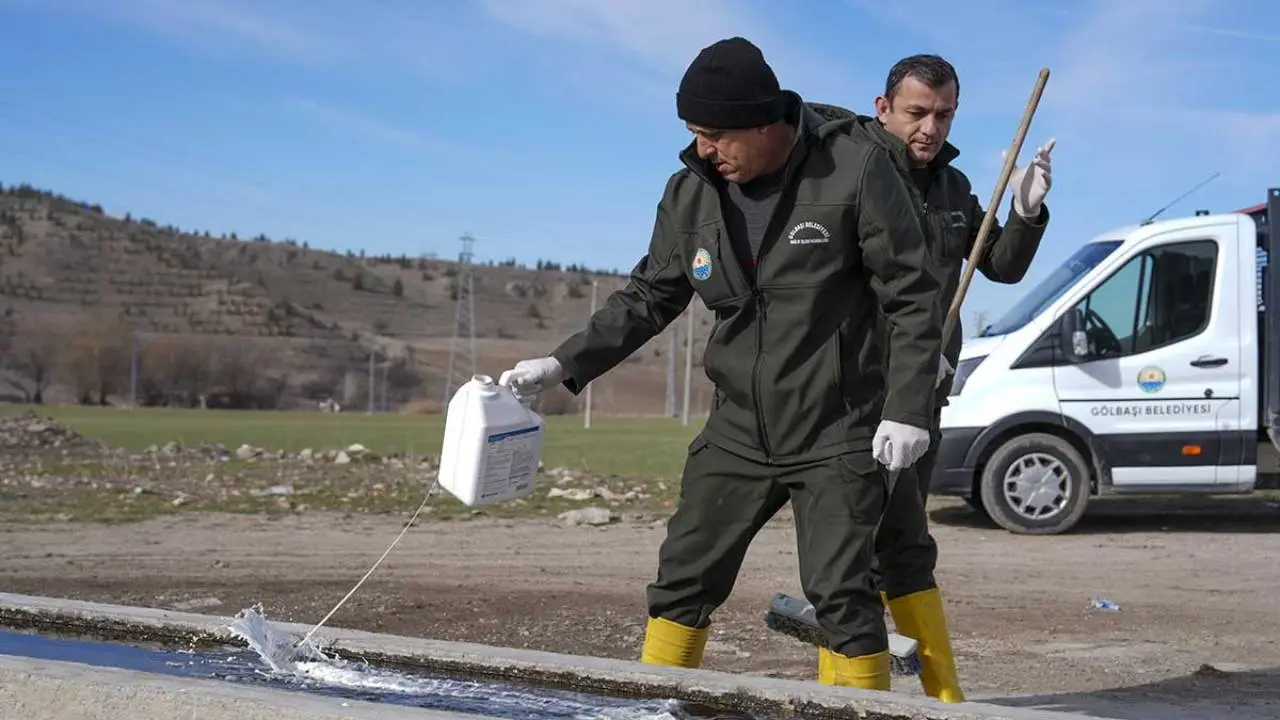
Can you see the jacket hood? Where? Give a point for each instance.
(823, 120)
(870, 125)
(811, 126)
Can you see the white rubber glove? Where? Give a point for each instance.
(1030, 185)
(898, 446)
(944, 369)
(530, 377)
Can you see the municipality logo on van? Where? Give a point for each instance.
(1150, 379)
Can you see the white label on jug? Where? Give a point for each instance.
(509, 455)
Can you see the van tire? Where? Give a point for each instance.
(1036, 447)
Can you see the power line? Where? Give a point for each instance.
(462, 347)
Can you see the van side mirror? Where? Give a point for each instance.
(1073, 339)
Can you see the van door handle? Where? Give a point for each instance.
(1208, 361)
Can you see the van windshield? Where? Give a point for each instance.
(1051, 288)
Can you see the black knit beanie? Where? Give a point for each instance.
(729, 86)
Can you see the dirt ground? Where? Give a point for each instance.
(1195, 636)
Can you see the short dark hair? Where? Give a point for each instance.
(932, 70)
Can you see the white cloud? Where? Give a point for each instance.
(423, 38)
(663, 37)
(1123, 54)
(1132, 69)
(620, 50)
(221, 26)
(1232, 33)
(357, 124)
(997, 46)
(1139, 79)
(1147, 98)
(665, 34)
(1249, 141)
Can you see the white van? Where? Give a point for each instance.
(1142, 365)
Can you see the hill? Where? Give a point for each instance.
(259, 323)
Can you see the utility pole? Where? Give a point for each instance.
(386, 371)
(462, 348)
(979, 323)
(688, 363)
(373, 387)
(134, 359)
(586, 415)
(671, 370)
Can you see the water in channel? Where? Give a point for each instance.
(271, 659)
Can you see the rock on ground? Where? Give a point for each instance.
(30, 431)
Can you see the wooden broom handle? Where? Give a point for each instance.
(953, 314)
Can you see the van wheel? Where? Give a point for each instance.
(1036, 484)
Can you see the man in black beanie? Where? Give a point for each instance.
(807, 246)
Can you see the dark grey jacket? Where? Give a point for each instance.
(953, 215)
(796, 358)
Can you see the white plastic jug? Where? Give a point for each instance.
(492, 444)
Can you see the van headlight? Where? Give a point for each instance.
(964, 369)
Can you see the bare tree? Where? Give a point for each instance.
(246, 376)
(404, 378)
(175, 371)
(272, 388)
(235, 367)
(32, 355)
(7, 330)
(99, 354)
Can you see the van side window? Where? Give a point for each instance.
(1158, 298)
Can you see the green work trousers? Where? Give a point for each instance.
(726, 499)
(906, 554)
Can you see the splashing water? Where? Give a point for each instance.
(309, 665)
(277, 649)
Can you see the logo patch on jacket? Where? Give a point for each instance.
(701, 264)
(809, 233)
(958, 219)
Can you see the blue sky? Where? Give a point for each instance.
(547, 128)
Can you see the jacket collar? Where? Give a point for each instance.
(811, 128)
(944, 157)
(871, 125)
(898, 148)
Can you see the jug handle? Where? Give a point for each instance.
(505, 382)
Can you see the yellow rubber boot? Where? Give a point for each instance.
(826, 673)
(670, 643)
(919, 616)
(867, 672)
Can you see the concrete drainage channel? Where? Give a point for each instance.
(239, 668)
(64, 659)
